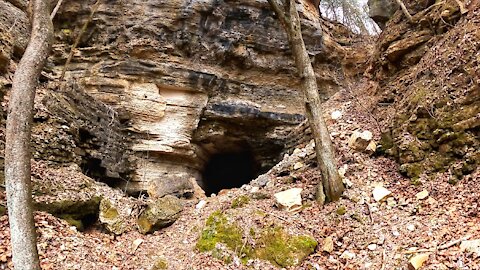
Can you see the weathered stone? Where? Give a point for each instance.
(290, 199)
(327, 244)
(360, 140)
(205, 80)
(380, 193)
(381, 11)
(417, 261)
(401, 47)
(160, 213)
(429, 133)
(422, 195)
(14, 30)
(110, 217)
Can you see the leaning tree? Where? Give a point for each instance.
(331, 186)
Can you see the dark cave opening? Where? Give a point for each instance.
(228, 170)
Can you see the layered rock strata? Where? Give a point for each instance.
(157, 88)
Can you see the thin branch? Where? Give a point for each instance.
(55, 10)
(444, 246)
(77, 40)
(405, 10)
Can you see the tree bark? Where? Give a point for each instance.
(17, 148)
(331, 186)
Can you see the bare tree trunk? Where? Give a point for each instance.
(17, 148)
(331, 186)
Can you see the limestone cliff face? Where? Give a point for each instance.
(183, 80)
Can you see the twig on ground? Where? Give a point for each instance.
(441, 247)
(369, 212)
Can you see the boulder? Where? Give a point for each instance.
(361, 141)
(290, 199)
(381, 11)
(110, 217)
(159, 214)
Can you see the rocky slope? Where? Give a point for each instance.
(429, 89)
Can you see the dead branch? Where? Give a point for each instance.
(55, 10)
(77, 40)
(405, 10)
(441, 247)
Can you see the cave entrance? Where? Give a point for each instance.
(226, 170)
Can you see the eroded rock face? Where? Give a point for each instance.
(155, 89)
(190, 79)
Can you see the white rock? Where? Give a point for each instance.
(347, 255)
(380, 193)
(200, 204)
(422, 195)
(471, 246)
(391, 202)
(396, 233)
(298, 165)
(136, 244)
(343, 170)
(336, 115)
(371, 148)
(416, 262)
(411, 227)
(290, 199)
(328, 244)
(360, 140)
(254, 189)
(372, 247)
(347, 183)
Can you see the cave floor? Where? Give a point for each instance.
(366, 234)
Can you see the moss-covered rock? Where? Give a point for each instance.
(271, 244)
(3, 210)
(159, 214)
(219, 230)
(72, 211)
(160, 264)
(282, 249)
(110, 217)
(240, 201)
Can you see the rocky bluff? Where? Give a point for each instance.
(158, 90)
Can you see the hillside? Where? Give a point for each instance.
(178, 123)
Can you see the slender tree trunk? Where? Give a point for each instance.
(331, 186)
(17, 148)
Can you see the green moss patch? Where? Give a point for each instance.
(271, 244)
(282, 249)
(219, 230)
(240, 201)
